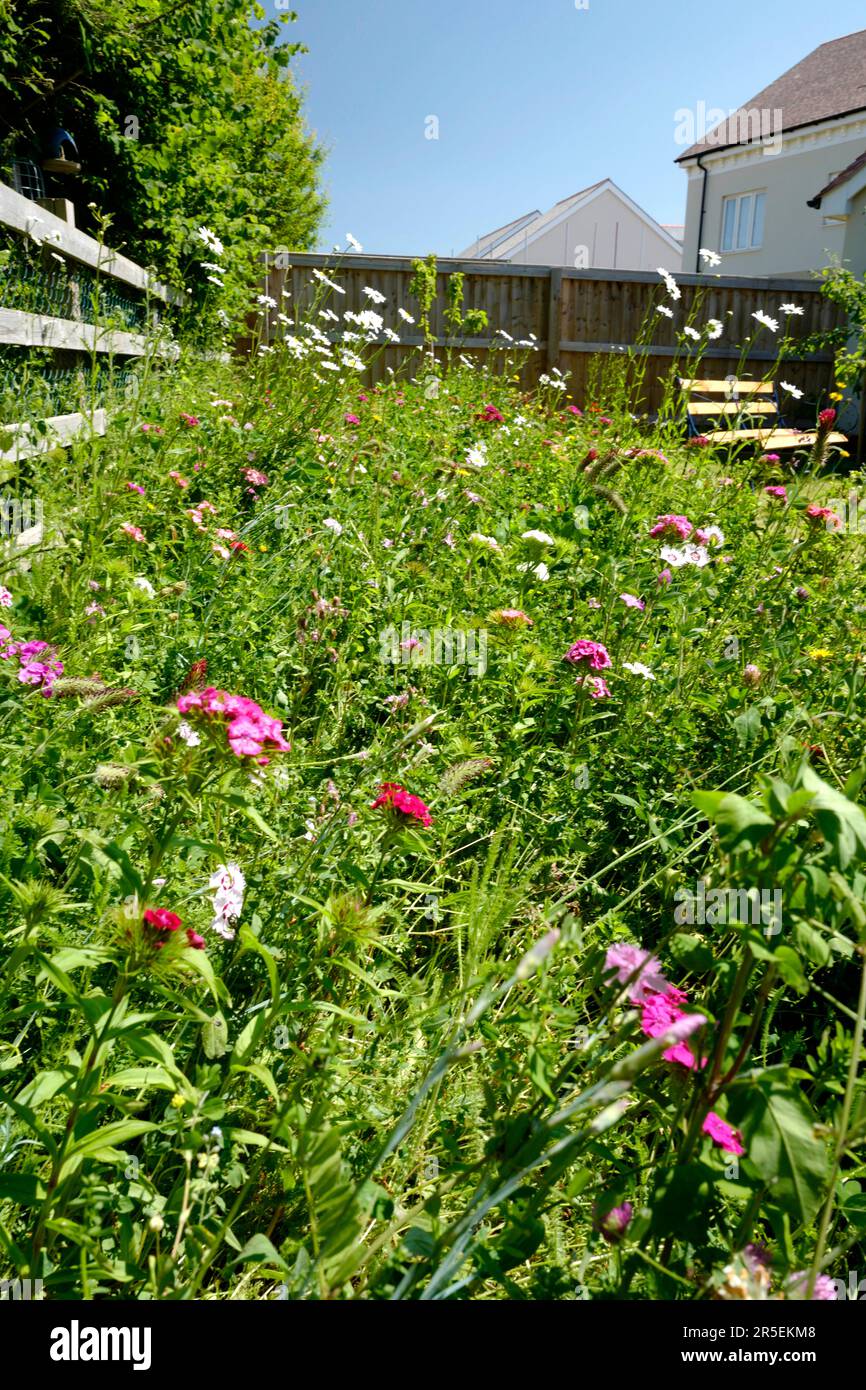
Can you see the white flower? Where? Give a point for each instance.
(211, 241)
(712, 533)
(709, 257)
(540, 537)
(407, 318)
(213, 265)
(637, 668)
(215, 280)
(692, 333)
(266, 301)
(663, 309)
(477, 456)
(333, 525)
(144, 585)
(688, 555)
(714, 328)
(765, 319)
(370, 321)
(353, 242)
(188, 734)
(541, 571)
(228, 884)
(489, 542)
(332, 284)
(792, 390)
(5, 598)
(671, 285)
(790, 309)
(374, 296)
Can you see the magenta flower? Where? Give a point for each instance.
(672, 526)
(249, 731)
(723, 1134)
(626, 959)
(823, 1292)
(136, 487)
(776, 490)
(593, 653)
(351, 419)
(631, 602)
(665, 577)
(613, 1226)
(662, 1013)
(134, 532)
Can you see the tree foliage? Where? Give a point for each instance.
(184, 112)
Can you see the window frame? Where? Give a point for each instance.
(736, 202)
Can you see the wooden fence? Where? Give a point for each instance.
(575, 315)
(24, 328)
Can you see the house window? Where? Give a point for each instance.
(743, 222)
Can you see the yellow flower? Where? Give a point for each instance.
(263, 546)
(835, 396)
(819, 653)
(177, 1101)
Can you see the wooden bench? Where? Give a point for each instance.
(743, 412)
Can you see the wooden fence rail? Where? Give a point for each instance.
(574, 315)
(20, 328)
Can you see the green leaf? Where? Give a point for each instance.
(739, 821)
(214, 1037)
(781, 1144)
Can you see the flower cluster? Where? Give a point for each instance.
(37, 662)
(161, 921)
(395, 797)
(228, 885)
(248, 729)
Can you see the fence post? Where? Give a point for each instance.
(554, 321)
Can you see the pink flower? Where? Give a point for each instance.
(596, 685)
(825, 514)
(136, 487)
(631, 602)
(512, 617)
(626, 960)
(162, 919)
(248, 728)
(723, 1134)
(826, 418)
(196, 942)
(593, 653)
(351, 419)
(395, 797)
(665, 577)
(491, 414)
(776, 490)
(769, 458)
(662, 1013)
(672, 525)
(5, 598)
(613, 1226)
(823, 1292)
(573, 410)
(178, 478)
(189, 420)
(133, 531)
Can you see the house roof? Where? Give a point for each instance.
(847, 173)
(512, 232)
(510, 238)
(829, 82)
(485, 244)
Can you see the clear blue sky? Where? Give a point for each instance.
(534, 98)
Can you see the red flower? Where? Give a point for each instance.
(396, 798)
(827, 418)
(162, 919)
(195, 941)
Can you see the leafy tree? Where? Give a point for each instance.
(184, 112)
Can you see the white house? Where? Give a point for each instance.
(599, 228)
(778, 187)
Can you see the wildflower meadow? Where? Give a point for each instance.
(431, 862)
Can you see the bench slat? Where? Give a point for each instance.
(780, 439)
(731, 407)
(749, 388)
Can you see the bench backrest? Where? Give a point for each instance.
(730, 404)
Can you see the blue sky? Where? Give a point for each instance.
(534, 100)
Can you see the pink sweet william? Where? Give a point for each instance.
(633, 964)
(662, 1013)
(776, 490)
(672, 525)
(723, 1134)
(250, 732)
(396, 798)
(592, 653)
(162, 919)
(134, 532)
